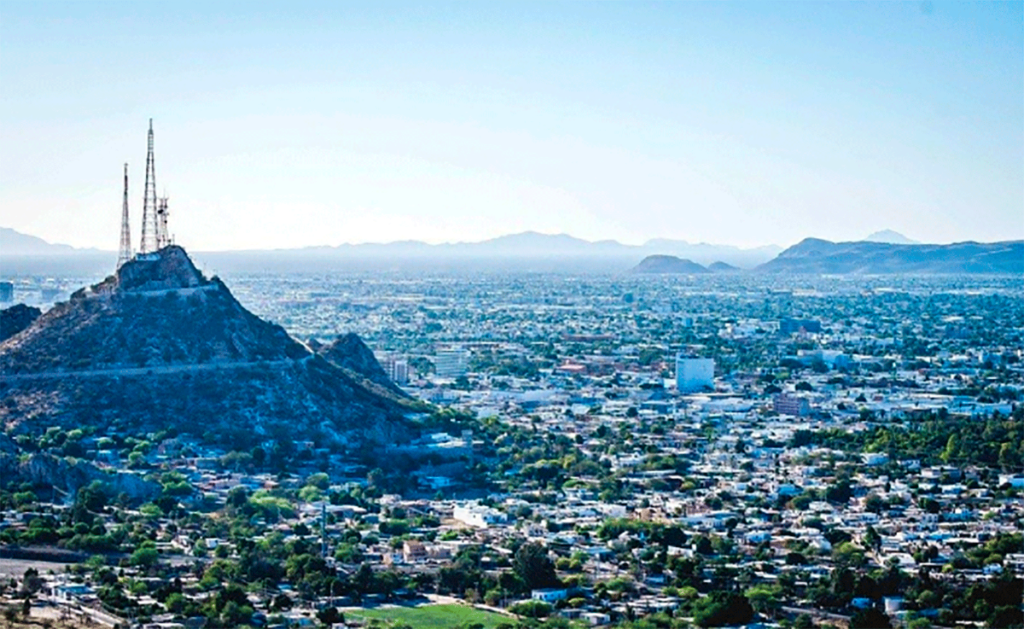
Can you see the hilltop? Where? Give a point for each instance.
(158, 346)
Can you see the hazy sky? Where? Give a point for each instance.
(299, 123)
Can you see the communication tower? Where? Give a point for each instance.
(149, 242)
(125, 252)
(163, 238)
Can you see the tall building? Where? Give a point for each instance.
(791, 405)
(6, 291)
(694, 374)
(793, 326)
(396, 368)
(400, 372)
(451, 363)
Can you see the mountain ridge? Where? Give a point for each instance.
(535, 251)
(819, 256)
(527, 244)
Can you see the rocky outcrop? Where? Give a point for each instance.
(351, 353)
(69, 475)
(15, 319)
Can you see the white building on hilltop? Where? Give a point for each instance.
(694, 374)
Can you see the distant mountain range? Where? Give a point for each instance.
(817, 256)
(890, 237)
(882, 252)
(15, 243)
(555, 250)
(552, 251)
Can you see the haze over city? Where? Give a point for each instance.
(511, 315)
(740, 123)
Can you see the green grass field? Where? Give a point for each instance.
(429, 616)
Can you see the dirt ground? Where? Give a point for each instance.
(17, 567)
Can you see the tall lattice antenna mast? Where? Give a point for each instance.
(149, 203)
(125, 252)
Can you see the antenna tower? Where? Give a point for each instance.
(149, 204)
(162, 237)
(125, 253)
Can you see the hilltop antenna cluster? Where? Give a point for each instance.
(125, 252)
(155, 235)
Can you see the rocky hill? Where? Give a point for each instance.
(814, 255)
(158, 346)
(668, 264)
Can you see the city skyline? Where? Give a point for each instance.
(737, 124)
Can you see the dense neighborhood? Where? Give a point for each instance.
(600, 451)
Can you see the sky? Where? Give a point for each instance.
(290, 124)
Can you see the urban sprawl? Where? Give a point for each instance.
(666, 451)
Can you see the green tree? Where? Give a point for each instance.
(848, 554)
(722, 608)
(765, 599)
(534, 567)
(870, 618)
(144, 556)
(952, 449)
(531, 609)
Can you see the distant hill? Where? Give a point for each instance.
(890, 237)
(668, 264)
(705, 253)
(814, 255)
(13, 242)
(158, 346)
(722, 267)
(537, 246)
(22, 254)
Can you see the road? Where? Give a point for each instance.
(145, 371)
(817, 613)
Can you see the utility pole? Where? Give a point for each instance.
(323, 529)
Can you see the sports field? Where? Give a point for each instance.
(430, 616)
